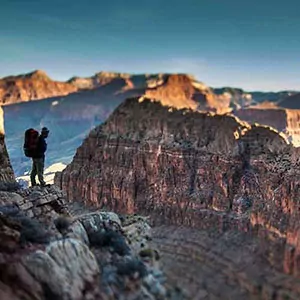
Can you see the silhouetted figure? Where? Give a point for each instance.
(38, 158)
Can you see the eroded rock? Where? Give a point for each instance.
(72, 266)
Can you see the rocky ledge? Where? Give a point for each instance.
(47, 252)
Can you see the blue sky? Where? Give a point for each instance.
(254, 44)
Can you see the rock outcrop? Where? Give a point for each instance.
(46, 252)
(98, 80)
(6, 173)
(183, 91)
(196, 169)
(149, 132)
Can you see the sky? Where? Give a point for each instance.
(254, 45)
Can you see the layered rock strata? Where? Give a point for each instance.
(196, 169)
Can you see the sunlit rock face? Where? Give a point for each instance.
(32, 86)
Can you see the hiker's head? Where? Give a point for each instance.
(45, 132)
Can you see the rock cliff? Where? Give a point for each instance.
(196, 169)
(71, 109)
(6, 172)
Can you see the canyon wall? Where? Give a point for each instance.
(6, 172)
(188, 168)
(71, 109)
(144, 136)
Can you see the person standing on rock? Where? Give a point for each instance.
(38, 158)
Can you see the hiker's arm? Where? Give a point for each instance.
(42, 146)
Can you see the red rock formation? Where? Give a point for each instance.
(178, 90)
(98, 80)
(194, 169)
(32, 86)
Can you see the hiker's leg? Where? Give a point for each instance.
(40, 171)
(33, 172)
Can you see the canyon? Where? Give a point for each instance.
(220, 193)
(72, 108)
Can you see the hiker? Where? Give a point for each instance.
(38, 158)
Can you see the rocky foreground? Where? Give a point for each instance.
(50, 250)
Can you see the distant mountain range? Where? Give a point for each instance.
(72, 108)
(37, 85)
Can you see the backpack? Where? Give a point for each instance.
(30, 142)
